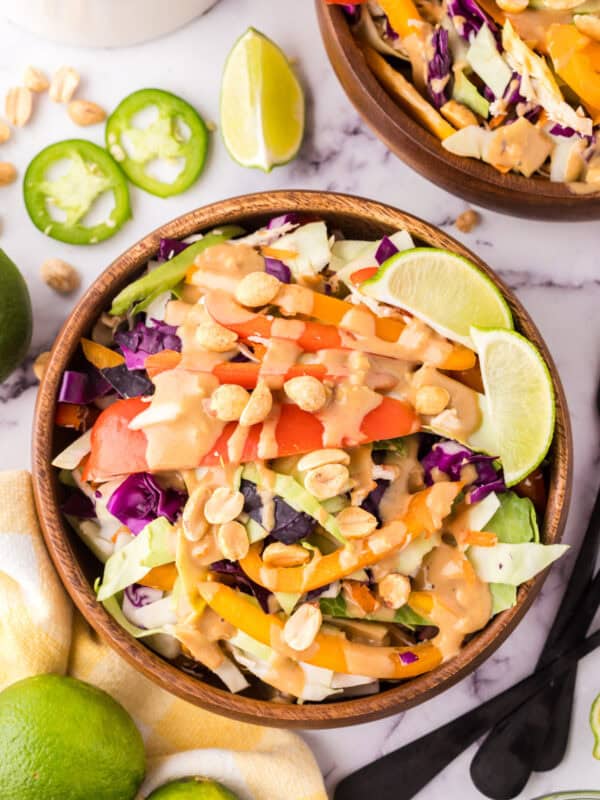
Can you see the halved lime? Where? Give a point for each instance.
(15, 317)
(595, 725)
(520, 398)
(262, 104)
(445, 290)
(193, 789)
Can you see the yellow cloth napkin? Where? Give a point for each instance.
(41, 632)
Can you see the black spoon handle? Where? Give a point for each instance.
(403, 773)
(537, 733)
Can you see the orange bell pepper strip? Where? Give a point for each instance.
(77, 417)
(480, 538)
(402, 14)
(315, 336)
(363, 553)
(329, 651)
(576, 59)
(117, 450)
(98, 355)
(162, 577)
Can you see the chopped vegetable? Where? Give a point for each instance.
(177, 133)
(91, 174)
(140, 499)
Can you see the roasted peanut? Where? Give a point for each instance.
(228, 401)
(394, 590)
(318, 458)
(468, 220)
(18, 106)
(355, 522)
(588, 24)
(223, 505)
(214, 337)
(307, 393)
(327, 481)
(8, 173)
(301, 629)
(60, 276)
(64, 83)
(195, 524)
(84, 112)
(35, 80)
(40, 364)
(4, 132)
(278, 554)
(431, 400)
(257, 289)
(233, 540)
(258, 406)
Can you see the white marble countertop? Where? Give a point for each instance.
(553, 267)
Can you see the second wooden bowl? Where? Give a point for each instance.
(474, 180)
(356, 218)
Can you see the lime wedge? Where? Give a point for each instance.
(262, 104)
(15, 317)
(447, 291)
(520, 397)
(595, 725)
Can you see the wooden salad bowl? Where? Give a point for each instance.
(476, 181)
(77, 567)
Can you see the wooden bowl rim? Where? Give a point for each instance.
(467, 176)
(58, 537)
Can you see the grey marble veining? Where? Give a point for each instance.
(554, 268)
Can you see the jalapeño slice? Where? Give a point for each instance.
(175, 134)
(63, 183)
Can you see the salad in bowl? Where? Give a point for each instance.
(513, 83)
(312, 466)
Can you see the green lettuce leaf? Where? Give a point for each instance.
(503, 596)
(152, 547)
(336, 607)
(515, 521)
(513, 564)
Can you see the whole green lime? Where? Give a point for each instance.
(15, 317)
(192, 789)
(61, 739)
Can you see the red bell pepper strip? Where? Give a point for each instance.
(77, 417)
(117, 450)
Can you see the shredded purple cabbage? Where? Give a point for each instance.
(140, 596)
(82, 387)
(168, 248)
(315, 593)
(277, 268)
(408, 657)
(451, 457)
(373, 499)
(389, 31)
(127, 382)
(144, 340)
(243, 582)
(140, 500)
(386, 250)
(290, 525)
(439, 69)
(283, 219)
(469, 18)
(79, 505)
(562, 130)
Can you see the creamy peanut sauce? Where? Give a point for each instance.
(344, 415)
(532, 25)
(462, 603)
(200, 635)
(361, 469)
(462, 417)
(224, 265)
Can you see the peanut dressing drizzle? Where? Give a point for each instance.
(462, 417)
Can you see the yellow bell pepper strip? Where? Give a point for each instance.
(419, 518)
(328, 650)
(576, 58)
(405, 93)
(162, 577)
(332, 311)
(402, 14)
(98, 355)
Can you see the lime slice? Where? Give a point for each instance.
(520, 397)
(262, 104)
(595, 725)
(15, 317)
(447, 291)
